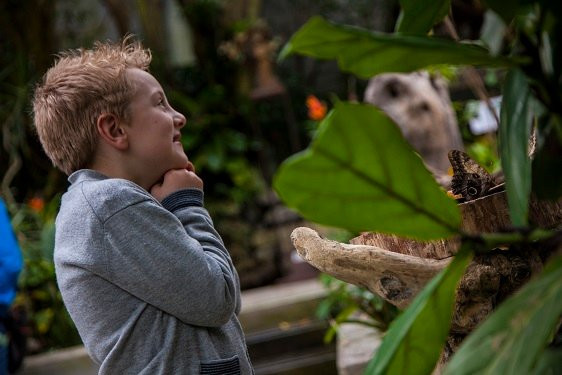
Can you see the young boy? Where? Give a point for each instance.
(142, 271)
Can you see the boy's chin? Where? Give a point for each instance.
(178, 165)
(183, 165)
(183, 162)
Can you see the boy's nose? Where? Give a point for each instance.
(179, 120)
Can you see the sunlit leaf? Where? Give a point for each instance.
(365, 53)
(418, 17)
(360, 174)
(514, 337)
(514, 133)
(336, 323)
(415, 339)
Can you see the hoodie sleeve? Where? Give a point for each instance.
(176, 262)
(188, 206)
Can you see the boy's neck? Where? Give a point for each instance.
(112, 169)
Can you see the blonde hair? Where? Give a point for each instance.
(76, 90)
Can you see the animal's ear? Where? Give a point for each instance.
(112, 131)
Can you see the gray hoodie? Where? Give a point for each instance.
(150, 286)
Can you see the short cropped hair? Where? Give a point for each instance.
(82, 85)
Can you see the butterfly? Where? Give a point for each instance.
(469, 179)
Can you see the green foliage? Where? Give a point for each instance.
(366, 53)
(27, 51)
(38, 295)
(515, 128)
(418, 17)
(512, 340)
(484, 152)
(217, 141)
(344, 300)
(414, 341)
(360, 166)
(548, 185)
(348, 176)
(549, 362)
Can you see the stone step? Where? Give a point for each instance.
(279, 305)
(291, 339)
(320, 361)
(296, 349)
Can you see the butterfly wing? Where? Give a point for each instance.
(469, 179)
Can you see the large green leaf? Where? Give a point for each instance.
(360, 174)
(418, 17)
(365, 53)
(415, 339)
(514, 133)
(514, 337)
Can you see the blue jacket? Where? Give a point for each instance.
(10, 261)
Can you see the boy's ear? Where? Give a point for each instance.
(112, 132)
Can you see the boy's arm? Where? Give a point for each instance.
(151, 255)
(187, 206)
(180, 189)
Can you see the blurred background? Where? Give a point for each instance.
(247, 112)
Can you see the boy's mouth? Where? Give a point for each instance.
(177, 137)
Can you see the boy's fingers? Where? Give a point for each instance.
(155, 189)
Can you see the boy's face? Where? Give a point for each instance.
(153, 132)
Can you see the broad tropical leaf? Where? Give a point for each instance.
(514, 132)
(418, 17)
(415, 339)
(513, 339)
(360, 174)
(365, 53)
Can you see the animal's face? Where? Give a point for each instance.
(419, 104)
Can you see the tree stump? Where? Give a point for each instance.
(398, 268)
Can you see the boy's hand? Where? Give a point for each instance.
(175, 180)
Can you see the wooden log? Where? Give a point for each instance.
(394, 276)
(484, 215)
(397, 268)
